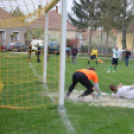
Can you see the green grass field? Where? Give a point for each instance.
(84, 119)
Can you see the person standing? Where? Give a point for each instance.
(74, 54)
(127, 55)
(84, 76)
(38, 53)
(116, 54)
(93, 55)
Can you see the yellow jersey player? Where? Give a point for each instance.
(93, 55)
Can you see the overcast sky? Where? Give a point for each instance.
(29, 5)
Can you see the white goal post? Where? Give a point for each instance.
(62, 49)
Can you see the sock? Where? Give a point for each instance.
(88, 62)
(96, 62)
(109, 67)
(115, 68)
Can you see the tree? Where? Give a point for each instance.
(109, 16)
(86, 16)
(12, 36)
(127, 17)
(18, 13)
(35, 33)
(96, 39)
(117, 14)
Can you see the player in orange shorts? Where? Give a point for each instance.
(84, 76)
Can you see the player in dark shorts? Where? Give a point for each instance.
(94, 54)
(116, 54)
(84, 76)
(114, 61)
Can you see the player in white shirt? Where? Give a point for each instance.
(122, 91)
(116, 55)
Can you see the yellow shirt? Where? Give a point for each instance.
(94, 52)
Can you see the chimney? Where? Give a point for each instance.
(56, 9)
(39, 10)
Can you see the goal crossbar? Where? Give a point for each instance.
(51, 5)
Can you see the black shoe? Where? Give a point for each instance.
(68, 93)
(80, 97)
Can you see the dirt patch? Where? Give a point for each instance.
(104, 100)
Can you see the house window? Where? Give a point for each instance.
(16, 36)
(2, 35)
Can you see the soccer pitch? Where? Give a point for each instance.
(84, 119)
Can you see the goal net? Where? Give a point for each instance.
(22, 55)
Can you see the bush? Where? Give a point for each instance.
(84, 48)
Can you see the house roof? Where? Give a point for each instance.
(5, 15)
(7, 20)
(54, 22)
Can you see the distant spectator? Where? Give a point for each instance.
(127, 55)
(74, 54)
(29, 52)
(38, 53)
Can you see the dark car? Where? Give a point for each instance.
(55, 48)
(19, 47)
(2, 47)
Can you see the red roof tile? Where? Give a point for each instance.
(54, 22)
(7, 20)
(5, 15)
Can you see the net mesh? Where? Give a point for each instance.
(21, 66)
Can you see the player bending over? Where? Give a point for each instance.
(116, 53)
(94, 55)
(84, 76)
(120, 91)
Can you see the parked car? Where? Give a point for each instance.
(19, 47)
(53, 46)
(68, 49)
(10, 46)
(2, 47)
(34, 43)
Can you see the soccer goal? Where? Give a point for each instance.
(32, 53)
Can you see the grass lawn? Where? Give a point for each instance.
(22, 88)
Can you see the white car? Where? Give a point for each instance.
(34, 43)
(53, 46)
